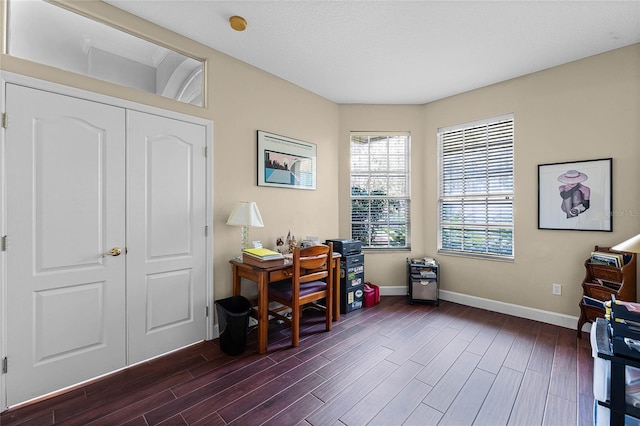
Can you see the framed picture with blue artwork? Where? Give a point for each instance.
(286, 162)
(576, 196)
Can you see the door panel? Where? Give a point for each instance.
(169, 183)
(68, 237)
(168, 311)
(166, 239)
(63, 309)
(65, 208)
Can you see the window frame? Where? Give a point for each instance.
(403, 200)
(491, 200)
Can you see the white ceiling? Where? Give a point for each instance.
(399, 52)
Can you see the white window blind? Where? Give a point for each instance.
(380, 190)
(476, 188)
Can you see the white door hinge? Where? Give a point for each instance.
(3, 243)
(206, 311)
(206, 151)
(206, 230)
(5, 365)
(5, 120)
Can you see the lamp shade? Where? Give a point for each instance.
(631, 245)
(245, 213)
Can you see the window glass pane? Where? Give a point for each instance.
(476, 188)
(380, 190)
(75, 43)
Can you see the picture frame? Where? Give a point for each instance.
(576, 195)
(285, 162)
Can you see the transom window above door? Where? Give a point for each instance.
(48, 34)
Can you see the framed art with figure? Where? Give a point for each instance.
(576, 195)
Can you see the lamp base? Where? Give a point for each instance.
(244, 241)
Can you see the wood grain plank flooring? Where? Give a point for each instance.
(392, 364)
(499, 402)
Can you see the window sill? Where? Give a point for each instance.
(479, 256)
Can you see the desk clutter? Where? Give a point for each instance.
(615, 342)
(352, 285)
(352, 290)
(262, 257)
(265, 276)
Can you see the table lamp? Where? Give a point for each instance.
(245, 214)
(631, 245)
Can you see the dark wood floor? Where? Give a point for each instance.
(392, 364)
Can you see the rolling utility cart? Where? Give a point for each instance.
(423, 276)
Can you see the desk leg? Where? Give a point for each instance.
(235, 281)
(336, 290)
(263, 314)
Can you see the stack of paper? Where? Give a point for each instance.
(262, 253)
(262, 257)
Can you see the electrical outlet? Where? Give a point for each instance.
(557, 289)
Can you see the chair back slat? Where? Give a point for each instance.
(313, 262)
(314, 276)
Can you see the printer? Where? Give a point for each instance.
(346, 247)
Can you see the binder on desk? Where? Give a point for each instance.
(250, 260)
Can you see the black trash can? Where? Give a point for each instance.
(233, 323)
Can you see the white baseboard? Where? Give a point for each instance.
(554, 318)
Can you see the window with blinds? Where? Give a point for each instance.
(476, 188)
(380, 190)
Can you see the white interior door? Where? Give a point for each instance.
(166, 235)
(65, 189)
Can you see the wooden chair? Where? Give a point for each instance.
(311, 281)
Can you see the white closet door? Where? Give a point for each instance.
(65, 182)
(166, 240)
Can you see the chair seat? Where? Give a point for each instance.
(284, 290)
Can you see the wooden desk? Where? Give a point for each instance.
(264, 276)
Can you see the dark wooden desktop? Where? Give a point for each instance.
(264, 276)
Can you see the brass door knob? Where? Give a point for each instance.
(116, 251)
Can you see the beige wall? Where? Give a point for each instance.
(388, 268)
(241, 100)
(584, 110)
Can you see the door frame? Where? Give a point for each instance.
(13, 78)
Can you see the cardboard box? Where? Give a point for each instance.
(351, 299)
(351, 280)
(351, 271)
(348, 262)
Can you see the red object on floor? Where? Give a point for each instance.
(371, 294)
